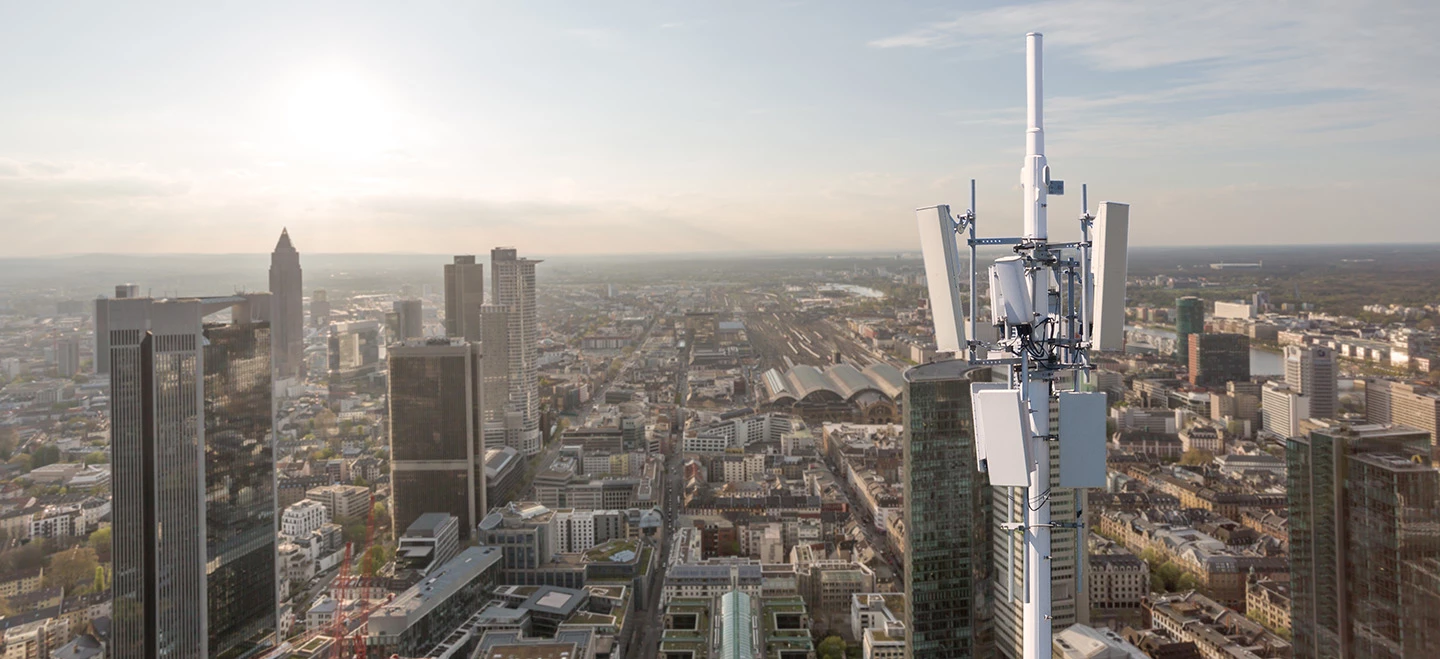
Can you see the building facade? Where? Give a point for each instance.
(437, 460)
(1363, 535)
(1216, 359)
(1311, 371)
(512, 280)
(464, 295)
(1189, 319)
(286, 289)
(947, 512)
(192, 454)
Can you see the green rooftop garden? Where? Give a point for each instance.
(608, 550)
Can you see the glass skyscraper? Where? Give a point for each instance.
(949, 610)
(1364, 544)
(1189, 319)
(436, 447)
(193, 477)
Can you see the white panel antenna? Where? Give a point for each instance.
(1082, 438)
(1110, 262)
(1002, 428)
(942, 276)
(976, 387)
(1014, 292)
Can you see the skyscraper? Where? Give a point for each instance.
(1068, 604)
(495, 333)
(949, 610)
(513, 286)
(437, 458)
(102, 326)
(289, 325)
(1189, 319)
(193, 476)
(67, 357)
(1219, 358)
(320, 308)
(1282, 409)
(409, 321)
(464, 295)
(1311, 371)
(1364, 544)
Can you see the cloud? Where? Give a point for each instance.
(1216, 76)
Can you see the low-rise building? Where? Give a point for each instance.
(425, 614)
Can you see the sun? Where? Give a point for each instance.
(339, 113)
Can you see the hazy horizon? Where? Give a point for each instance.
(573, 128)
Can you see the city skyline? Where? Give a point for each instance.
(665, 137)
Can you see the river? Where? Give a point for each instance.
(1262, 361)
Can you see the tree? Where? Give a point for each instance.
(45, 455)
(101, 581)
(374, 558)
(100, 541)
(71, 569)
(1196, 458)
(20, 459)
(833, 647)
(96, 458)
(1187, 581)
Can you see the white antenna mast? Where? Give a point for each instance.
(1051, 304)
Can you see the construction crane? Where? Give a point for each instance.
(353, 586)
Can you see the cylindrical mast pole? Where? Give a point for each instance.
(1037, 607)
(1033, 173)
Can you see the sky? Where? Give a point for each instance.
(650, 127)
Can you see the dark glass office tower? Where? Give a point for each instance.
(437, 457)
(464, 295)
(1364, 544)
(193, 477)
(289, 323)
(1219, 358)
(1189, 319)
(947, 517)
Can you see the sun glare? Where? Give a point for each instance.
(339, 114)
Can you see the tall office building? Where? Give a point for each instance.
(1219, 358)
(1311, 371)
(495, 369)
(193, 477)
(464, 295)
(408, 321)
(67, 357)
(1364, 544)
(1282, 409)
(289, 324)
(949, 610)
(1067, 548)
(1189, 319)
(437, 461)
(102, 326)
(512, 280)
(320, 308)
(1406, 404)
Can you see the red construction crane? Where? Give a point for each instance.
(354, 587)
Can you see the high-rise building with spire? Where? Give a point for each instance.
(513, 287)
(289, 325)
(193, 476)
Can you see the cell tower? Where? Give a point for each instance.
(1051, 304)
